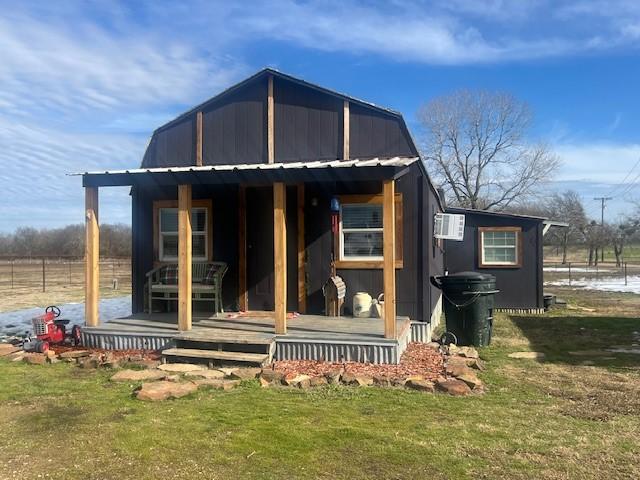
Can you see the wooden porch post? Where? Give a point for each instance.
(280, 256)
(91, 257)
(184, 257)
(243, 297)
(389, 257)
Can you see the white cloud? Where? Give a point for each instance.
(596, 162)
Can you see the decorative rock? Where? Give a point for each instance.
(157, 391)
(356, 380)
(17, 356)
(467, 352)
(381, 381)
(210, 374)
(35, 358)
(264, 383)
(333, 375)
(144, 363)
(453, 387)
(89, 362)
(433, 345)
(456, 370)
(271, 376)
(318, 381)
(421, 385)
(246, 373)
(111, 363)
(297, 380)
(181, 367)
(138, 375)
(398, 382)
(217, 384)
(7, 349)
(527, 355)
(75, 354)
(227, 371)
(476, 364)
(471, 380)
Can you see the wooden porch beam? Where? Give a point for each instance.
(199, 139)
(280, 256)
(92, 257)
(184, 257)
(270, 120)
(243, 298)
(345, 130)
(302, 285)
(389, 257)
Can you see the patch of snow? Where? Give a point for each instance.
(578, 270)
(606, 284)
(18, 322)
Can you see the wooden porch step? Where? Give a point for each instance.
(233, 337)
(257, 358)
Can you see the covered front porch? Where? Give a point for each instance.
(283, 188)
(313, 337)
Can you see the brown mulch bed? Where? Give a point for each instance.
(418, 359)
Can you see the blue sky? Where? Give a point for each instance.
(83, 84)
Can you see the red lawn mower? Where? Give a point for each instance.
(49, 330)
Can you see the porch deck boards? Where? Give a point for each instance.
(258, 329)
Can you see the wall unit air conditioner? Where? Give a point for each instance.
(448, 226)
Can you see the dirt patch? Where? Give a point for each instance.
(418, 359)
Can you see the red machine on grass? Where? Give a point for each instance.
(49, 330)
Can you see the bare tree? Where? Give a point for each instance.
(475, 143)
(567, 207)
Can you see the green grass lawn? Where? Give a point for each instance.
(556, 419)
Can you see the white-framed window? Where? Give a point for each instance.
(168, 233)
(361, 231)
(500, 246)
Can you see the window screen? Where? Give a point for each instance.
(168, 240)
(500, 247)
(361, 231)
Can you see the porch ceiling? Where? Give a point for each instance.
(260, 173)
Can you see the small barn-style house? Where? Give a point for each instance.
(248, 207)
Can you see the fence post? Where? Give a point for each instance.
(43, 275)
(596, 272)
(569, 273)
(625, 273)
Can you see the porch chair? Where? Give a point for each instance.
(206, 283)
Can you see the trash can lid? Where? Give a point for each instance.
(467, 277)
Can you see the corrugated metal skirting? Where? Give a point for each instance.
(125, 341)
(420, 332)
(336, 351)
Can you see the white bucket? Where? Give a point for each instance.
(378, 306)
(362, 305)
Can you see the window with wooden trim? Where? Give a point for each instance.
(166, 230)
(500, 247)
(359, 241)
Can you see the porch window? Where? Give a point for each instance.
(361, 232)
(359, 240)
(168, 231)
(500, 246)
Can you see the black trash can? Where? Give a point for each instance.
(468, 306)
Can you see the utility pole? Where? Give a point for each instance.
(602, 204)
(602, 200)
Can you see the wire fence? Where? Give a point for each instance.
(584, 275)
(45, 273)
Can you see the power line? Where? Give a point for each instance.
(621, 184)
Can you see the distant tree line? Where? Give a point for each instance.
(567, 207)
(115, 241)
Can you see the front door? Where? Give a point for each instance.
(259, 217)
(260, 248)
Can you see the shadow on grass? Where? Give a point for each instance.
(575, 340)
